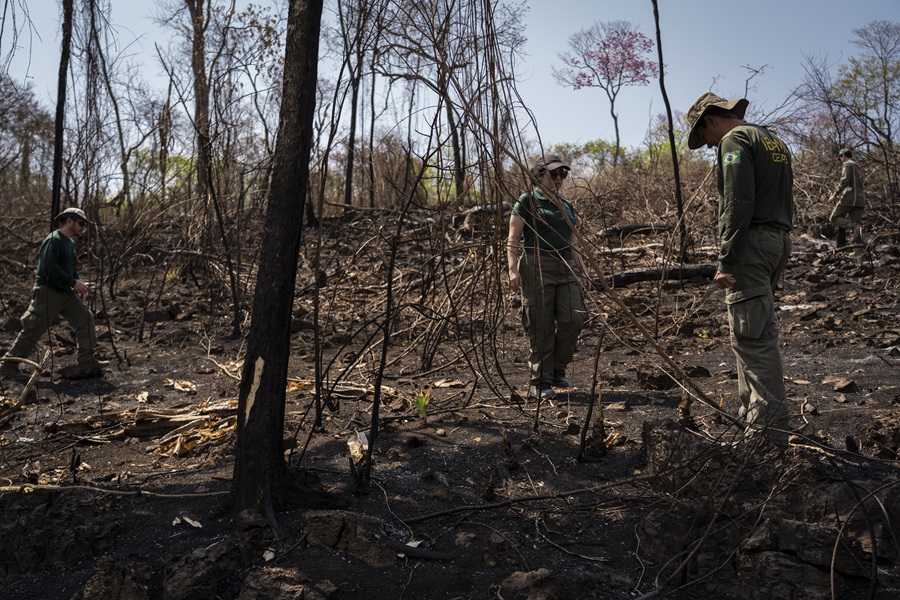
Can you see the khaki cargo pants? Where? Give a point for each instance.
(46, 306)
(763, 256)
(553, 312)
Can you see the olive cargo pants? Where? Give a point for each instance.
(46, 306)
(553, 312)
(763, 256)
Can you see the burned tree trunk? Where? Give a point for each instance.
(200, 17)
(56, 191)
(261, 479)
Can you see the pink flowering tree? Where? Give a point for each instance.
(608, 56)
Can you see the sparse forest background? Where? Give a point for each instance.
(417, 116)
(420, 143)
(416, 112)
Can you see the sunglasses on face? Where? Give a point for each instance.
(557, 174)
(82, 224)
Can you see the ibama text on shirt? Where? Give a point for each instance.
(777, 150)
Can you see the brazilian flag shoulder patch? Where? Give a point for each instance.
(732, 158)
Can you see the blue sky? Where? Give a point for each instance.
(706, 44)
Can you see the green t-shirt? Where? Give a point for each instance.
(57, 264)
(755, 182)
(545, 226)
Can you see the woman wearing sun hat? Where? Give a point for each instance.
(546, 267)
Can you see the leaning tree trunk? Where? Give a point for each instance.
(679, 204)
(261, 480)
(56, 191)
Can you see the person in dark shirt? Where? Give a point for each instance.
(546, 267)
(851, 199)
(58, 291)
(756, 208)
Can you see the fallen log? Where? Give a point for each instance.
(632, 251)
(151, 423)
(481, 211)
(623, 231)
(675, 273)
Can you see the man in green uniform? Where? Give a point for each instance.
(58, 291)
(549, 271)
(847, 214)
(756, 206)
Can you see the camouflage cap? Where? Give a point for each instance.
(550, 162)
(703, 104)
(845, 152)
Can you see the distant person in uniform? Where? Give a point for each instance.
(756, 206)
(851, 200)
(58, 291)
(546, 267)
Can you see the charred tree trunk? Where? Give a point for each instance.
(199, 21)
(56, 191)
(459, 170)
(351, 139)
(679, 203)
(261, 479)
(371, 150)
(165, 132)
(124, 151)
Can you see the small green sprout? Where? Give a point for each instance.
(422, 400)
